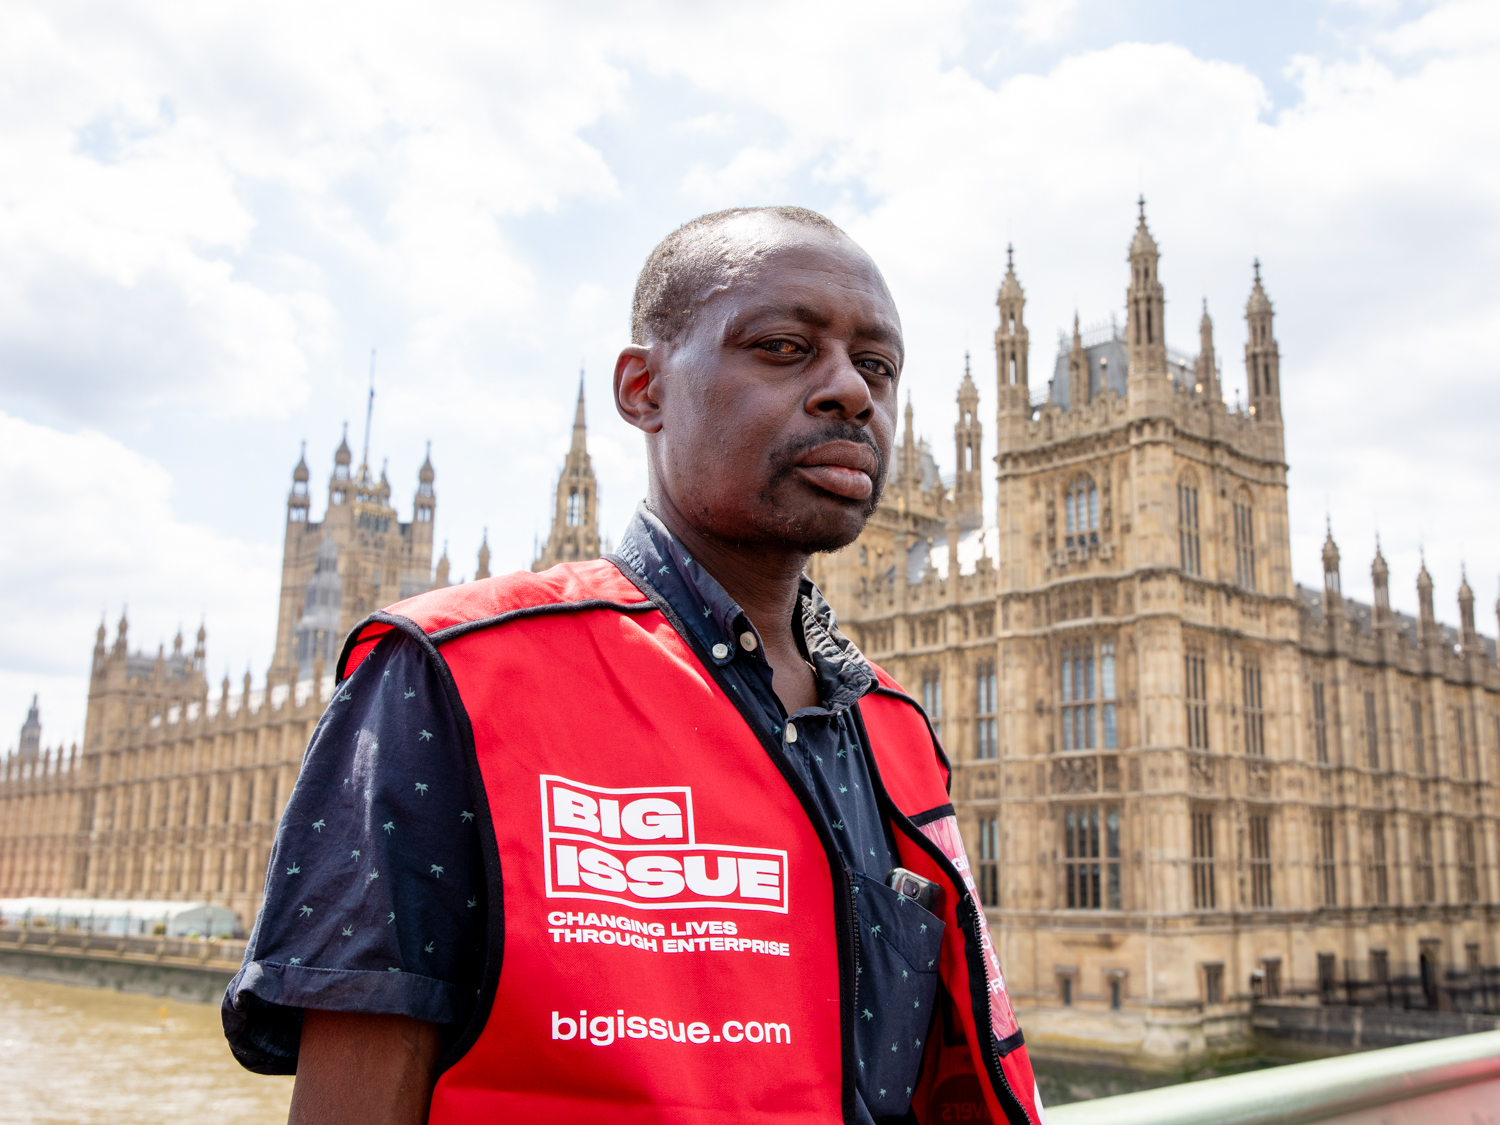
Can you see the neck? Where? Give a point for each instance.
(763, 580)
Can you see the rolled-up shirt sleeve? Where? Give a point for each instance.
(375, 895)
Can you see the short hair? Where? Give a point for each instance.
(677, 270)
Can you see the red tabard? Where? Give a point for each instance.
(674, 944)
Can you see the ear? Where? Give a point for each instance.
(638, 387)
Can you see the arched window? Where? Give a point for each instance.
(1244, 541)
(575, 508)
(1187, 527)
(1081, 512)
(1013, 371)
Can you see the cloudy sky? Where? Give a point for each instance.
(210, 213)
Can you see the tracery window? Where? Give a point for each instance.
(989, 857)
(1196, 699)
(1320, 723)
(1260, 859)
(1327, 861)
(986, 725)
(1091, 857)
(1088, 701)
(575, 509)
(1204, 897)
(1244, 543)
(1081, 512)
(1372, 731)
(1255, 716)
(1187, 528)
(1380, 893)
(932, 698)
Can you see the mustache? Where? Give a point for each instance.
(783, 461)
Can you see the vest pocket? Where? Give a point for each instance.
(895, 993)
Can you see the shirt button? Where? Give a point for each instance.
(720, 650)
(791, 729)
(747, 641)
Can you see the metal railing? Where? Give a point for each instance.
(1455, 1079)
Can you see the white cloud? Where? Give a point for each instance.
(90, 526)
(209, 215)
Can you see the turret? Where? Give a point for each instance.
(575, 517)
(1426, 617)
(298, 502)
(340, 486)
(99, 647)
(1262, 356)
(441, 578)
(1380, 576)
(1207, 369)
(200, 649)
(31, 734)
(425, 504)
(1469, 636)
(483, 570)
(968, 481)
(121, 634)
(1012, 341)
(1148, 382)
(1332, 587)
(1078, 371)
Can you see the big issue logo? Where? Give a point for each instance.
(639, 847)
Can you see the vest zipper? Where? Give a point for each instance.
(969, 921)
(845, 918)
(967, 915)
(854, 926)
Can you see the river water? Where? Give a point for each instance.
(89, 1056)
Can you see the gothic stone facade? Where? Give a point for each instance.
(1183, 779)
(177, 790)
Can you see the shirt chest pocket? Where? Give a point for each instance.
(895, 993)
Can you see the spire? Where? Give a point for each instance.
(341, 455)
(300, 474)
(1331, 583)
(1147, 382)
(1262, 355)
(575, 518)
(31, 734)
(1207, 368)
(968, 438)
(1467, 631)
(1078, 370)
(1380, 575)
(442, 568)
(483, 570)
(1427, 617)
(580, 427)
(1012, 352)
(364, 458)
(425, 475)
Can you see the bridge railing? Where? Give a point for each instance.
(1442, 1080)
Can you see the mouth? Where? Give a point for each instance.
(844, 468)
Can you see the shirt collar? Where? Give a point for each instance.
(721, 627)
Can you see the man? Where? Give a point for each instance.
(619, 841)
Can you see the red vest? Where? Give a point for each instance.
(670, 934)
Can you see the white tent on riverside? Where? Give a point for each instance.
(121, 916)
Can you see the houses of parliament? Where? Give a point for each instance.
(1184, 780)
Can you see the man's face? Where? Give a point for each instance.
(777, 405)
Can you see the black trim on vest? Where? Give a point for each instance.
(451, 632)
(842, 908)
(494, 887)
(933, 814)
(968, 915)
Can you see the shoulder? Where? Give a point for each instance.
(441, 613)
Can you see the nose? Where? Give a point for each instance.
(842, 392)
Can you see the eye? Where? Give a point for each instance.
(780, 347)
(877, 367)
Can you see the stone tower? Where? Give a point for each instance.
(1262, 356)
(30, 745)
(968, 440)
(358, 558)
(575, 519)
